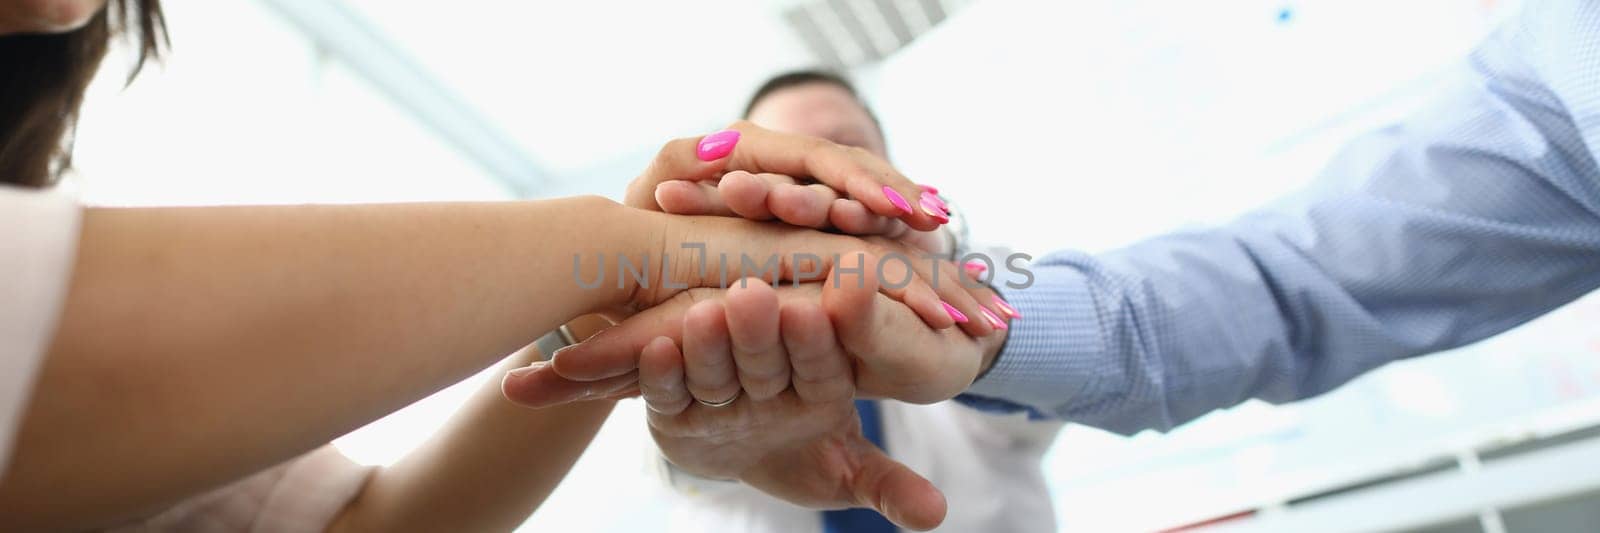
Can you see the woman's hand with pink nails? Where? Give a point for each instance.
(768, 196)
(682, 177)
(714, 251)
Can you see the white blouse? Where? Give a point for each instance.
(38, 236)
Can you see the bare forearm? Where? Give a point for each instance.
(200, 344)
(487, 470)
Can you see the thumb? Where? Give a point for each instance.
(538, 386)
(615, 351)
(689, 159)
(895, 491)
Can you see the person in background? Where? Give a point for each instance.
(1003, 492)
(184, 368)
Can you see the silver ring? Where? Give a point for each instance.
(724, 403)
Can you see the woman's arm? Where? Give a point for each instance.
(487, 470)
(200, 344)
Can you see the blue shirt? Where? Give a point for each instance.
(1478, 213)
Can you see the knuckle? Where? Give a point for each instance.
(761, 389)
(818, 363)
(763, 370)
(667, 405)
(819, 377)
(670, 150)
(726, 391)
(694, 295)
(708, 365)
(655, 397)
(817, 149)
(805, 355)
(711, 393)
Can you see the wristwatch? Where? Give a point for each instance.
(556, 339)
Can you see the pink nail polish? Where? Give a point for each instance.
(955, 314)
(717, 145)
(940, 202)
(930, 205)
(975, 267)
(994, 320)
(930, 189)
(898, 201)
(1006, 308)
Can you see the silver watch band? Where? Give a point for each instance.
(556, 339)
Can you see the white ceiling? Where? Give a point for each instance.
(578, 84)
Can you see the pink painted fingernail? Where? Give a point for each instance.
(955, 314)
(717, 145)
(898, 201)
(930, 188)
(940, 202)
(976, 267)
(930, 205)
(994, 320)
(1006, 308)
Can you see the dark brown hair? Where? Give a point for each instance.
(796, 78)
(46, 75)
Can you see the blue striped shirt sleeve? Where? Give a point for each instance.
(1476, 214)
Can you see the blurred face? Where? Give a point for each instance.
(820, 110)
(46, 16)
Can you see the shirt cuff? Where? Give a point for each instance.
(1052, 351)
(984, 404)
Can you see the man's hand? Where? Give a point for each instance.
(795, 433)
(789, 360)
(892, 352)
(804, 445)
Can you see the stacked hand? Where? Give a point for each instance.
(756, 382)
